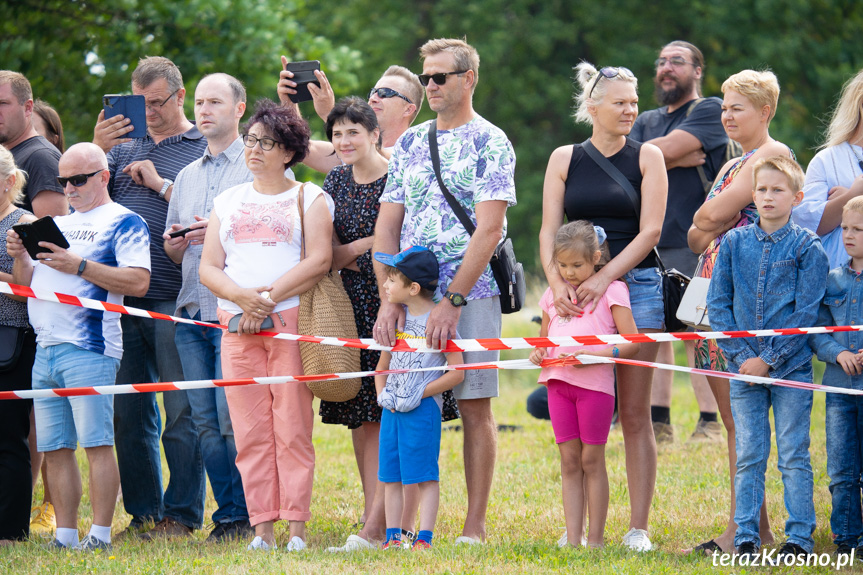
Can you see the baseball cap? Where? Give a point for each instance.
(418, 264)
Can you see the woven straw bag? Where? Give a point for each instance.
(326, 310)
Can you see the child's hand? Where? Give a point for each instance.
(754, 366)
(849, 362)
(537, 355)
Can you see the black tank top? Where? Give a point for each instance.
(591, 194)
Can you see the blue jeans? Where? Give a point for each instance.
(844, 433)
(149, 355)
(792, 408)
(200, 352)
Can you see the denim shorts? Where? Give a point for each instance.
(645, 297)
(63, 422)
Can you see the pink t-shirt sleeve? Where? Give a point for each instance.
(618, 294)
(546, 302)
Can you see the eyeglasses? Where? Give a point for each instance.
(439, 78)
(676, 62)
(384, 93)
(77, 180)
(153, 107)
(610, 72)
(267, 144)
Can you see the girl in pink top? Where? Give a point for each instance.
(581, 397)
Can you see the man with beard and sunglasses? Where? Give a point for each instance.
(688, 130)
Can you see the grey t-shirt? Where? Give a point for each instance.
(404, 391)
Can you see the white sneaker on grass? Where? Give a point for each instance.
(354, 543)
(465, 540)
(258, 544)
(295, 544)
(637, 540)
(564, 540)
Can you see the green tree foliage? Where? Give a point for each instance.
(528, 49)
(73, 51)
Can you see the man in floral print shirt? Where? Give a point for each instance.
(477, 164)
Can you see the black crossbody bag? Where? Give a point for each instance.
(508, 273)
(674, 282)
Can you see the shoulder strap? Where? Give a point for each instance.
(692, 106)
(301, 207)
(614, 173)
(453, 203)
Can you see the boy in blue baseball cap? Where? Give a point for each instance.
(411, 402)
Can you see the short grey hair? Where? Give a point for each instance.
(152, 68)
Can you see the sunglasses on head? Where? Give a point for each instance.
(77, 180)
(610, 72)
(439, 78)
(384, 93)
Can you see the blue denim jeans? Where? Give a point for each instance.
(844, 433)
(199, 349)
(792, 408)
(149, 355)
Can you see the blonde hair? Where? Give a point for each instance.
(413, 87)
(785, 166)
(580, 236)
(465, 56)
(588, 78)
(8, 168)
(847, 115)
(20, 85)
(760, 88)
(855, 204)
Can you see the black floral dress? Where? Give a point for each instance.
(356, 211)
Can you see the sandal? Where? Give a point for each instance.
(707, 548)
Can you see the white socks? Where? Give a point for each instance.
(67, 536)
(100, 533)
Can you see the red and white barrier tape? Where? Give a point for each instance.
(418, 345)
(506, 364)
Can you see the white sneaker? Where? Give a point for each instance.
(354, 543)
(564, 540)
(465, 540)
(295, 544)
(637, 540)
(258, 544)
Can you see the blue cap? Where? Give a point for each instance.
(417, 263)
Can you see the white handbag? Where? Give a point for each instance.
(693, 305)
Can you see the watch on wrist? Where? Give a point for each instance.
(168, 183)
(455, 299)
(81, 266)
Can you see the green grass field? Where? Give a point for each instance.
(525, 517)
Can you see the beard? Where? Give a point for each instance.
(672, 96)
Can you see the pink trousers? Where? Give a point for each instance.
(272, 423)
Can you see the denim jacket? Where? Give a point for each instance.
(842, 305)
(763, 281)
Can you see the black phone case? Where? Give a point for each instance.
(42, 230)
(234, 323)
(304, 74)
(132, 107)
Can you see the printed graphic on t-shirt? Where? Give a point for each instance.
(266, 224)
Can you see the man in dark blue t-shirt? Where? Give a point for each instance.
(688, 129)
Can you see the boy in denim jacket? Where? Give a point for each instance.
(843, 305)
(770, 274)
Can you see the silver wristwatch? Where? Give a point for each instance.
(168, 183)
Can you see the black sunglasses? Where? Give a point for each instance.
(384, 93)
(610, 72)
(439, 78)
(77, 180)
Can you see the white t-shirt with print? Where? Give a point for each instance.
(260, 234)
(110, 235)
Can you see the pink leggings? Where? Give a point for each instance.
(272, 423)
(577, 412)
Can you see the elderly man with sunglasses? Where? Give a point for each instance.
(142, 174)
(396, 99)
(688, 130)
(108, 257)
(477, 165)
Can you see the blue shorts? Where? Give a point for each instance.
(410, 444)
(645, 297)
(63, 422)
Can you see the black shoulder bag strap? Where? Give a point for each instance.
(453, 203)
(621, 180)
